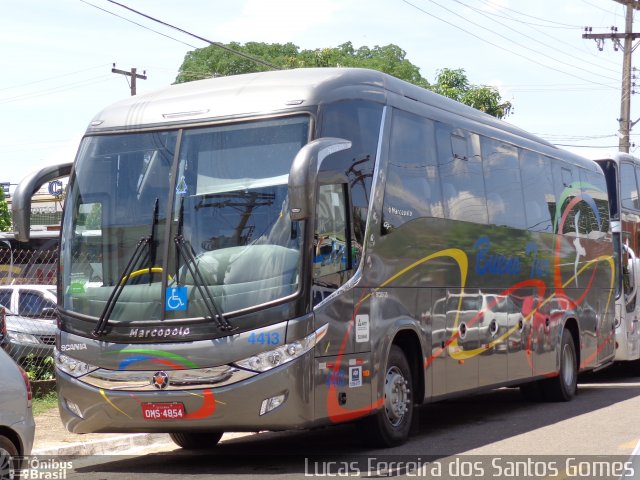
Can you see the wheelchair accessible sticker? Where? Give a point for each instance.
(175, 298)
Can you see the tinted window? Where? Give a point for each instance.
(566, 189)
(358, 122)
(537, 188)
(502, 181)
(594, 210)
(628, 187)
(460, 168)
(330, 237)
(31, 304)
(412, 189)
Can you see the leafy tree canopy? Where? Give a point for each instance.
(215, 61)
(5, 215)
(454, 84)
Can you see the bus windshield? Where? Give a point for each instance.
(227, 240)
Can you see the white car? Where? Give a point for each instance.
(34, 301)
(17, 427)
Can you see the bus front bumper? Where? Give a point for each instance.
(242, 406)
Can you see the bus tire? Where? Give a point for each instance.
(196, 440)
(390, 426)
(564, 386)
(9, 460)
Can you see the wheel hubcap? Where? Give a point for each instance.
(396, 396)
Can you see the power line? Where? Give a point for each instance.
(512, 41)
(24, 84)
(627, 48)
(559, 136)
(558, 24)
(593, 5)
(138, 24)
(584, 146)
(61, 88)
(479, 11)
(217, 44)
(501, 47)
(541, 32)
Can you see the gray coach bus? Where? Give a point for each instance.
(307, 247)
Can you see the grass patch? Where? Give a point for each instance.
(45, 402)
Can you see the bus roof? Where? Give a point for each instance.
(278, 91)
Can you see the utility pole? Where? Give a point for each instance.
(134, 76)
(627, 49)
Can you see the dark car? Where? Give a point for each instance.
(28, 339)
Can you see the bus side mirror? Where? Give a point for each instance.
(21, 203)
(304, 171)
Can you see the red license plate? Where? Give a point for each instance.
(162, 411)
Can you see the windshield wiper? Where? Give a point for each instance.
(185, 251)
(128, 270)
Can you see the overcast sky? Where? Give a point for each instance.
(56, 58)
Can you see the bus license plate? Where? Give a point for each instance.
(162, 411)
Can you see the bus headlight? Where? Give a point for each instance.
(264, 361)
(71, 366)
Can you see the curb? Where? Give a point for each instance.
(107, 446)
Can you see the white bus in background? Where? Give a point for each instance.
(622, 172)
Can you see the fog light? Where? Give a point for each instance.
(75, 409)
(271, 403)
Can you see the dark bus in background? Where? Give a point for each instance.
(31, 262)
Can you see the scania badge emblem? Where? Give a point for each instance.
(160, 380)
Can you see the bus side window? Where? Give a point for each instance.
(358, 121)
(566, 186)
(461, 174)
(629, 187)
(412, 190)
(593, 222)
(331, 253)
(502, 181)
(537, 187)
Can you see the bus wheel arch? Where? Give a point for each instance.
(409, 343)
(564, 386)
(572, 326)
(401, 386)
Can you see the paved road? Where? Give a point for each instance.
(488, 433)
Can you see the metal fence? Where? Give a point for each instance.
(28, 298)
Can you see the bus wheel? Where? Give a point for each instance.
(9, 461)
(564, 386)
(390, 426)
(196, 441)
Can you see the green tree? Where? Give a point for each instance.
(5, 215)
(215, 61)
(455, 84)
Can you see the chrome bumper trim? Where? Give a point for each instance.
(141, 380)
